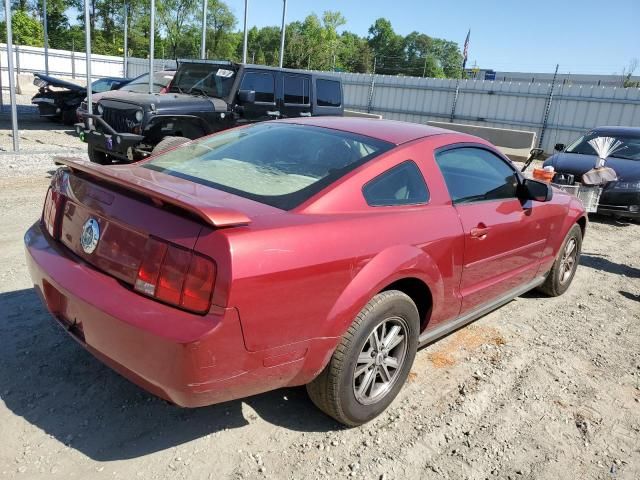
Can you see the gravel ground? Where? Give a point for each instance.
(541, 388)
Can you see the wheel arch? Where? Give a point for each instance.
(419, 292)
(402, 267)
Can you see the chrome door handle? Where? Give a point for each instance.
(274, 113)
(305, 114)
(479, 232)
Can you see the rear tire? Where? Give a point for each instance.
(565, 265)
(98, 157)
(168, 143)
(371, 363)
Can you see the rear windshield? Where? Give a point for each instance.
(274, 163)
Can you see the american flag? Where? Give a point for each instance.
(465, 51)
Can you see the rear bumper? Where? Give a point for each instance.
(187, 359)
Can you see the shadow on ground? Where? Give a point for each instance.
(600, 262)
(54, 384)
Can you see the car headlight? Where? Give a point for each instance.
(100, 109)
(626, 185)
(139, 115)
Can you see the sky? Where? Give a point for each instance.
(582, 36)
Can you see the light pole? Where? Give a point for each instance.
(12, 78)
(46, 38)
(203, 48)
(126, 39)
(87, 42)
(152, 35)
(284, 14)
(244, 46)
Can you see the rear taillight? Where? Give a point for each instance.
(50, 212)
(176, 276)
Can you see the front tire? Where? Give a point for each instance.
(565, 265)
(167, 143)
(372, 361)
(97, 156)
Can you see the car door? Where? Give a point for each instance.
(296, 96)
(265, 106)
(504, 237)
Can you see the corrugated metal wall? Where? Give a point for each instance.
(138, 66)
(520, 106)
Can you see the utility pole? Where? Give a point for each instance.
(87, 41)
(547, 107)
(371, 85)
(46, 38)
(424, 70)
(12, 78)
(152, 35)
(244, 45)
(126, 40)
(203, 48)
(284, 14)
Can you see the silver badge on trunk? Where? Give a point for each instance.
(90, 235)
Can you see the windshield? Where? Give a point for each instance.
(102, 85)
(274, 163)
(203, 79)
(630, 148)
(141, 84)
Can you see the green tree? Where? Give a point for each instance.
(387, 47)
(27, 30)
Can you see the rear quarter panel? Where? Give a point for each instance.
(307, 273)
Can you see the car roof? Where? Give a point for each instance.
(391, 131)
(617, 130)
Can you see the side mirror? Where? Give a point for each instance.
(247, 96)
(536, 153)
(559, 147)
(534, 190)
(115, 86)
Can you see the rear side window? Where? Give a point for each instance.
(474, 174)
(261, 83)
(328, 93)
(401, 185)
(296, 89)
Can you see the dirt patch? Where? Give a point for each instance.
(539, 389)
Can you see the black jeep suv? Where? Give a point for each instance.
(204, 97)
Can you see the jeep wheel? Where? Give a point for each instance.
(97, 156)
(167, 143)
(371, 363)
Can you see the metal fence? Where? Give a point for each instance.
(523, 106)
(70, 64)
(572, 109)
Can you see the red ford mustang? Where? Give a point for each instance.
(320, 251)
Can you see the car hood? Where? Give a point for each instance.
(577, 164)
(169, 102)
(56, 82)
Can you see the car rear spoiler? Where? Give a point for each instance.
(215, 215)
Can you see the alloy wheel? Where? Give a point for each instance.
(380, 360)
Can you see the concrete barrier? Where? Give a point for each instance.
(516, 144)
(354, 113)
